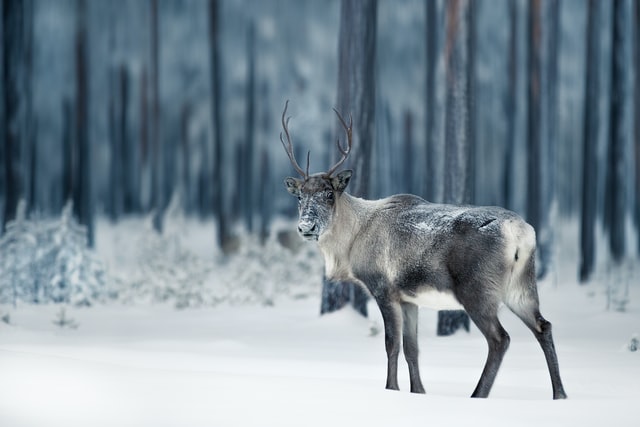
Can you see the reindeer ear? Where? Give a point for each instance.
(341, 180)
(293, 185)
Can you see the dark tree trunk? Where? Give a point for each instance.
(510, 105)
(265, 205)
(431, 22)
(457, 179)
(186, 185)
(14, 65)
(615, 204)
(129, 154)
(114, 206)
(248, 162)
(69, 151)
(636, 130)
(356, 96)
(157, 151)
(535, 105)
(356, 86)
(220, 212)
(543, 34)
(122, 192)
(458, 133)
(636, 38)
(590, 142)
(83, 203)
(145, 155)
(3, 155)
(409, 152)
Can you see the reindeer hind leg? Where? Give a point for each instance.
(498, 342)
(541, 329)
(527, 307)
(483, 311)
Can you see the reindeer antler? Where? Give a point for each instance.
(345, 152)
(288, 147)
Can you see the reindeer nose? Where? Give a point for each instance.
(307, 228)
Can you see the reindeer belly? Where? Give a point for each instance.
(433, 299)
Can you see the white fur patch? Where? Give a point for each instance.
(434, 299)
(520, 238)
(520, 242)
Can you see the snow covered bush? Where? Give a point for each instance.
(163, 269)
(18, 247)
(49, 261)
(261, 273)
(183, 267)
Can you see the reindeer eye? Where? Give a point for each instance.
(329, 195)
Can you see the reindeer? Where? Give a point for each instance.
(408, 253)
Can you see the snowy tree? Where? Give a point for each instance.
(75, 275)
(17, 246)
(49, 262)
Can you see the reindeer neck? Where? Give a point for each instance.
(350, 213)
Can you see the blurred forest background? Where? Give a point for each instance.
(123, 106)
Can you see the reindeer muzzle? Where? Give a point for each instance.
(308, 230)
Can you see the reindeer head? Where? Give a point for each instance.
(317, 194)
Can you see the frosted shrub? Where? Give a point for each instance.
(18, 247)
(259, 274)
(165, 270)
(49, 261)
(165, 267)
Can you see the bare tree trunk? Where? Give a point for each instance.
(248, 204)
(356, 96)
(128, 150)
(432, 177)
(14, 66)
(219, 204)
(69, 151)
(636, 38)
(458, 158)
(157, 158)
(83, 203)
(615, 200)
(265, 203)
(590, 142)
(510, 105)
(185, 185)
(114, 206)
(408, 151)
(543, 25)
(4, 171)
(145, 155)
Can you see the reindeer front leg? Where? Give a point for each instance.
(410, 344)
(392, 317)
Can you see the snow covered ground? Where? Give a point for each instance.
(286, 366)
(251, 364)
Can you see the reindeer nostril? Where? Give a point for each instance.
(307, 228)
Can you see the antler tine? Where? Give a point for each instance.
(288, 146)
(344, 151)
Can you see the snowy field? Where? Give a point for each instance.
(281, 364)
